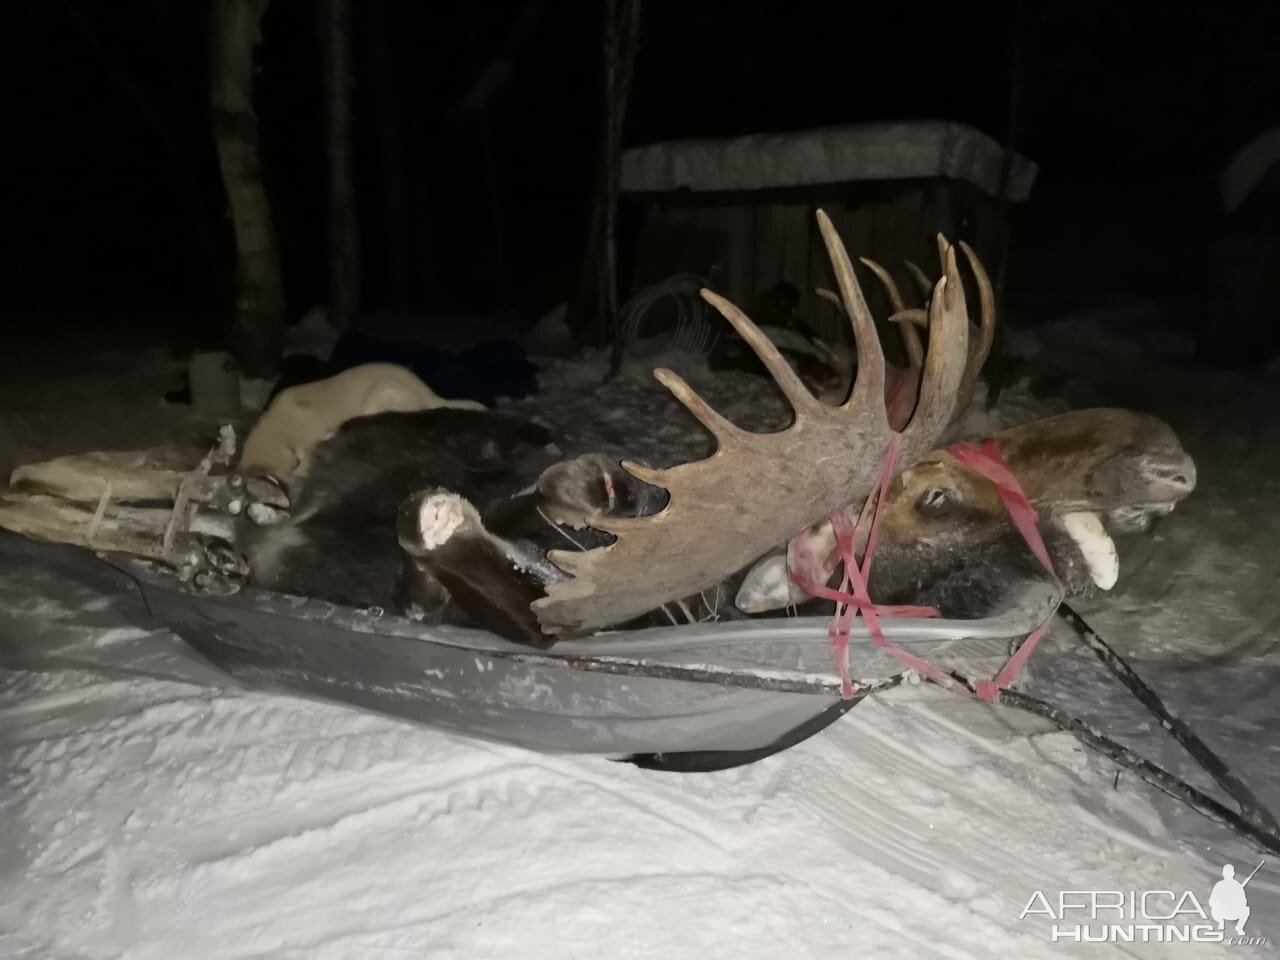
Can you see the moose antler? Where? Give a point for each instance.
(906, 319)
(758, 490)
(904, 384)
(979, 344)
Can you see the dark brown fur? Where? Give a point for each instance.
(946, 539)
(340, 542)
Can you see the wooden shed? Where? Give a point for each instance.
(740, 212)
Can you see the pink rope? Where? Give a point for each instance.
(852, 596)
(986, 460)
(896, 397)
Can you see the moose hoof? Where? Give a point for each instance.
(265, 489)
(265, 515)
(216, 584)
(225, 559)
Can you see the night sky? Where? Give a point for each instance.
(114, 203)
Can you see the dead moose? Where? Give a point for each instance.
(474, 517)
(493, 527)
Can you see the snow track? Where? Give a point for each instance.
(148, 817)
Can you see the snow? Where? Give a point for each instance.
(161, 818)
(827, 155)
(153, 809)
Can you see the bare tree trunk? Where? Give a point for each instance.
(595, 309)
(378, 56)
(344, 236)
(257, 329)
(621, 39)
(479, 125)
(162, 111)
(498, 73)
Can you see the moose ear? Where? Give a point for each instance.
(937, 500)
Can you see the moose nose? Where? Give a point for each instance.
(1186, 477)
(1179, 477)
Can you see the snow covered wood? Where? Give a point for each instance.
(921, 150)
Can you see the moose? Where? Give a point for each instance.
(482, 518)
(369, 490)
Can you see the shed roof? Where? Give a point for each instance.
(826, 155)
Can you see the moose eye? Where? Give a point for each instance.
(936, 500)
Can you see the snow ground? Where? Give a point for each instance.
(153, 809)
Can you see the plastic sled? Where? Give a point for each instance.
(694, 697)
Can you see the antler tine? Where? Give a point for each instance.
(986, 307)
(830, 296)
(979, 345)
(725, 432)
(868, 385)
(756, 491)
(943, 247)
(946, 361)
(923, 283)
(886, 279)
(784, 376)
(912, 316)
(910, 339)
(905, 320)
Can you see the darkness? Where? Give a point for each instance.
(114, 201)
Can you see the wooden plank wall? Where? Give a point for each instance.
(760, 244)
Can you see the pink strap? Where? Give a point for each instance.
(853, 598)
(987, 460)
(898, 400)
(893, 398)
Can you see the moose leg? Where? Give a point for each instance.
(490, 578)
(83, 478)
(138, 531)
(132, 476)
(137, 476)
(196, 544)
(494, 567)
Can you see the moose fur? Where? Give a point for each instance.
(282, 441)
(340, 541)
(441, 509)
(449, 515)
